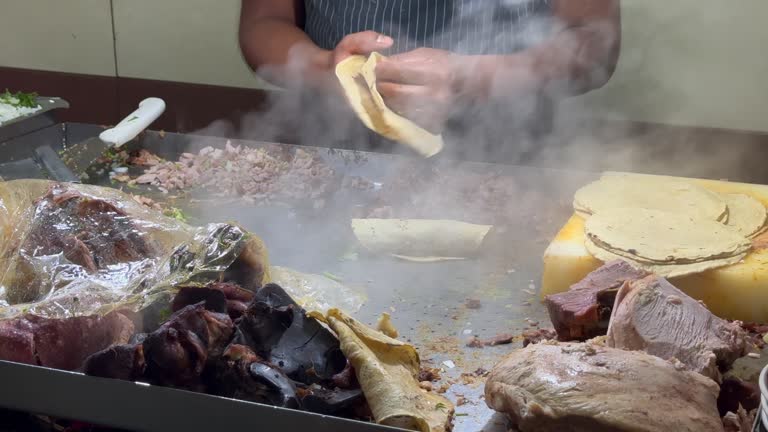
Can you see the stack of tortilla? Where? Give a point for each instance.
(668, 227)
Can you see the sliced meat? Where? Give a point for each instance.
(654, 316)
(61, 343)
(580, 387)
(584, 310)
(222, 297)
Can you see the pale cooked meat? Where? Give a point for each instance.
(654, 316)
(580, 387)
(584, 310)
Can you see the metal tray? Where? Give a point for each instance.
(35, 121)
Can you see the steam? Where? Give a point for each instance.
(578, 139)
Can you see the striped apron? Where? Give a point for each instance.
(463, 27)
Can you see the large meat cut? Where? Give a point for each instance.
(584, 387)
(653, 316)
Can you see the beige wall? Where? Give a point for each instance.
(686, 62)
(66, 36)
(181, 40)
(690, 62)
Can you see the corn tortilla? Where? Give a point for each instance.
(664, 270)
(357, 77)
(420, 240)
(746, 215)
(650, 193)
(658, 237)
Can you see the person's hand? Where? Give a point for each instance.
(421, 85)
(362, 43)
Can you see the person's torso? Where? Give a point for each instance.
(463, 26)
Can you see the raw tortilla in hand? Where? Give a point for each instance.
(358, 79)
(420, 240)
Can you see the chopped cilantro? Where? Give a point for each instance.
(333, 277)
(19, 99)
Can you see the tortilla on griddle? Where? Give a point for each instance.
(650, 193)
(358, 80)
(746, 215)
(420, 240)
(658, 237)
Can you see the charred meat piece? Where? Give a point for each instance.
(581, 387)
(61, 343)
(537, 335)
(177, 353)
(279, 331)
(584, 310)
(221, 297)
(241, 374)
(331, 402)
(653, 316)
(124, 362)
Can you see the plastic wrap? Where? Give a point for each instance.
(71, 249)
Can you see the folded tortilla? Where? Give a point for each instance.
(388, 370)
(357, 76)
(421, 240)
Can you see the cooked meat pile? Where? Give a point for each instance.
(61, 343)
(556, 386)
(653, 316)
(271, 353)
(256, 175)
(90, 233)
(658, 368)
(584, 311)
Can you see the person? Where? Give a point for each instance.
(473, 66)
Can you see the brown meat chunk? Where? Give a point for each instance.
(654, 316)
(584, 310)
(580, 387)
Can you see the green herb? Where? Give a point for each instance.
(333, 277)
(175, 213)
(461, 415)
(132, 119)
(19, 99)
(440, 406)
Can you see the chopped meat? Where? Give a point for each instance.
(61, 343)
(740, 420)
(654, 316)
(473, 304)
(429, 374)
(144, 158)
(253, 174)
(499, 339)
(537, 335)
(583, 311)
(580, 387)
(147, 202)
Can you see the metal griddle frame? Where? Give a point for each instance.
(426, 300)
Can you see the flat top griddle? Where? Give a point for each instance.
(427, 301)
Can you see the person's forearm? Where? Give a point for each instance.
(283, 54)
(574, 61)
